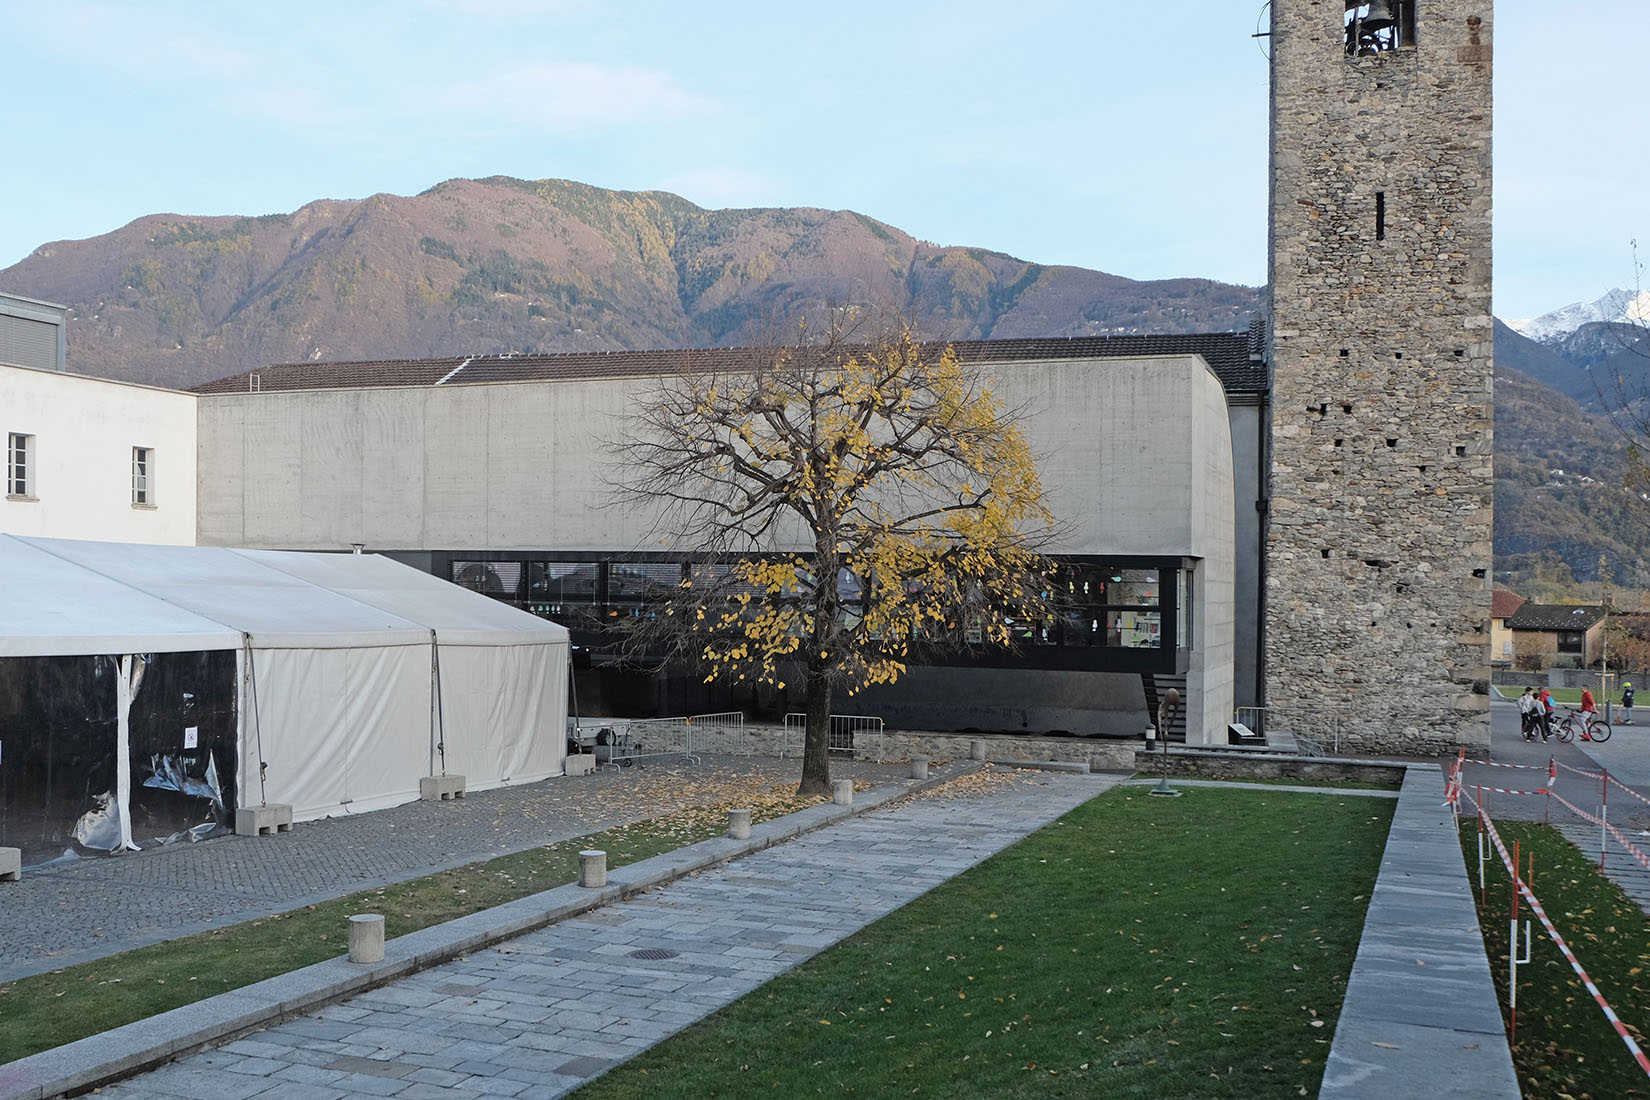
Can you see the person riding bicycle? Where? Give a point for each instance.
(1589, 711)
(1626, 704)
(1544, 701)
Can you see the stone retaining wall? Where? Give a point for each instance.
(1255, 765)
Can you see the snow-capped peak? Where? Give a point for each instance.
(1616, 306)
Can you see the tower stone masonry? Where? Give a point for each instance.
(1379, 535)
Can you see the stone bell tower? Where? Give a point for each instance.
(1378, 545)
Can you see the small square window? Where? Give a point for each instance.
(19, 465)
(143, 476)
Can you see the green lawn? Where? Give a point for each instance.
(1139, 947)
(47, 1010)
(1565, 1046)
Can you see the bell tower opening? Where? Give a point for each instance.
(1379, 26)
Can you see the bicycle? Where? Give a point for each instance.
(1587, 723)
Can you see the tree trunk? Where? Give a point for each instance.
(816, 745)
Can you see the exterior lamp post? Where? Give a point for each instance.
(1166, 710)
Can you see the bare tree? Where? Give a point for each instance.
(849, 507)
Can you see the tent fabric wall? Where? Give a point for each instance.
(337, 709)
(503, 673)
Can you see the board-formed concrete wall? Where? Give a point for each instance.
(1136, 456)
(1379, 538)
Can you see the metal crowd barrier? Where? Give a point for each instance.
(723, 731)
(659, 739)
(850, 733)
(1304, 729)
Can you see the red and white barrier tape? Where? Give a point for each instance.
(1558, 940)
(1632, 849)
(1629, 790)
(1499, 764)
(1579, 771)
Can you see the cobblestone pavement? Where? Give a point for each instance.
(64, 913)
(539, 1015)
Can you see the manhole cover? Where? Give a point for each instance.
(653, 953)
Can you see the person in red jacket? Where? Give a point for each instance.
(1545, 699)
(1588, 709)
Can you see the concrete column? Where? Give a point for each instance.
(739, 824)
(366, 938)
(919, 767)
(976, 750)
(593, 868)
(842, 792)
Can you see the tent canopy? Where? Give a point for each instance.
(355, 676)
(103, 597)
(56, 609)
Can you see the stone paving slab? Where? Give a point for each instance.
(550, 1007)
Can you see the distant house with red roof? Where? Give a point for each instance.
(1504, 603)
(1556, 634)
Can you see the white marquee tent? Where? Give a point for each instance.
(356, 676)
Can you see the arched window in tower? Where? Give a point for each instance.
(1379, 26)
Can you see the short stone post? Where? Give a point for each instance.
(919, 767)
(976, 750)
(366, 938)
(593, 868)
(739, 824)
(842, 792)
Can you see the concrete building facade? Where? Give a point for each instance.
(497, 474)
(1378, 545)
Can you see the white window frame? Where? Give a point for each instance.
(20, 463)
(143, 477)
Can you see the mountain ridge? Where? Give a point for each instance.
(503, 265)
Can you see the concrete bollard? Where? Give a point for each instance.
(842, 792)
(919, 767)
(739, 824)
(366, 938)
(976, 750)
(593, 868)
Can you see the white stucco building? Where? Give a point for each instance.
(88, 458)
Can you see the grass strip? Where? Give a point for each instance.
(1565, 1046)
(1138, 947)
(47, 1010)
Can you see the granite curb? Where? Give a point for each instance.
(111, 1055)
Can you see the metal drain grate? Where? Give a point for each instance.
(653, 953)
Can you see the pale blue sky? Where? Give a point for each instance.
(1112, 134)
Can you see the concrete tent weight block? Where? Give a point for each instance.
(11, 864)
(440, 788)
(265, 820)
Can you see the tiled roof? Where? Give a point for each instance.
(1227, 353)
(1503, 602)
(1543, 616)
